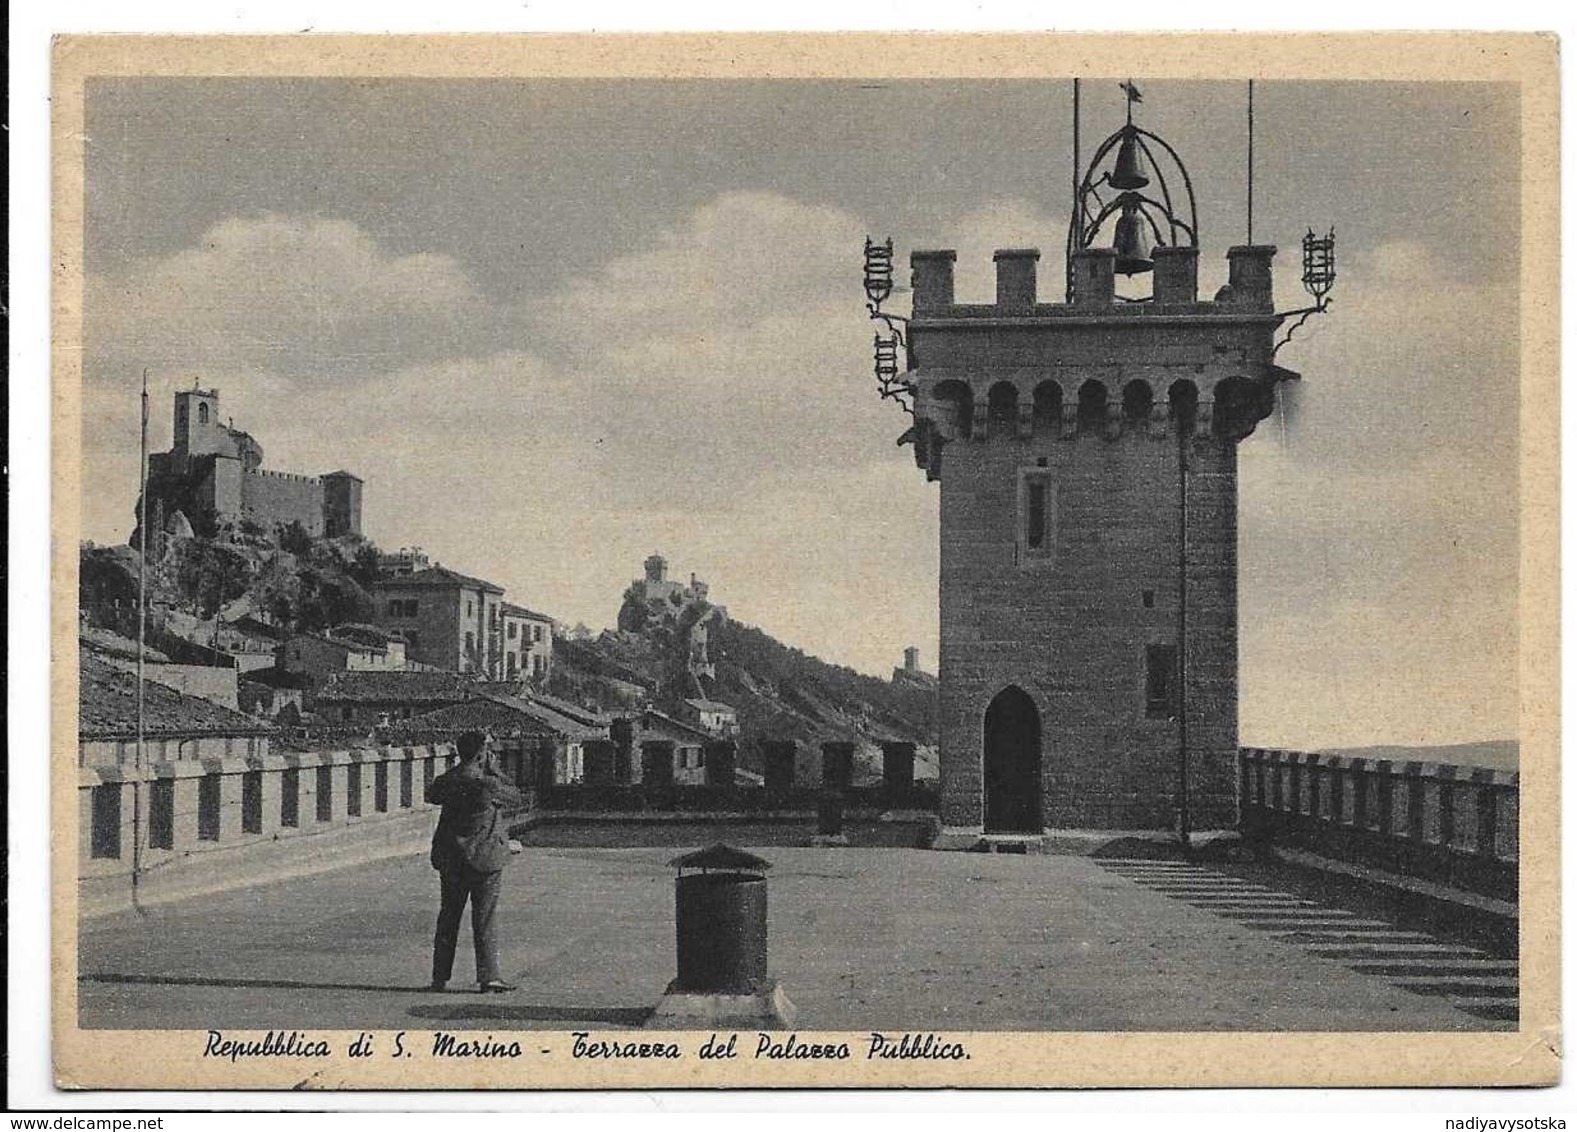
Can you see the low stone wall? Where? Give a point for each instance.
(1453, 824)
(865, 828)
(179, 828)
(681, 798)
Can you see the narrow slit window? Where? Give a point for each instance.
(1037, 515)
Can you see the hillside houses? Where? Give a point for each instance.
(671, 751)
(526, 643)
(710, 716)
(373, 699)
(538, 742)
(459, 623)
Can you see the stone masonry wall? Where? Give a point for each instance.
(1071, 630)
(273, 499)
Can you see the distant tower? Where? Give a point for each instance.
(1087, 456)
(911, 659)
(341, 504)
(198, 429)
(656, 568)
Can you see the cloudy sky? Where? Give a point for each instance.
(558, 324)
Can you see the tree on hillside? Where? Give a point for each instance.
(294, 539)
(365, 569)
(210, 574)
(327, 599)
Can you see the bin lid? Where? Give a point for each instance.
(721, 857)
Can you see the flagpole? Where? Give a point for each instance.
(1076, 236)
(1251, 163)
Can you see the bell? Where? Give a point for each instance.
(1126, 174)
(1133, 257)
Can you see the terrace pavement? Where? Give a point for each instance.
(861, 939)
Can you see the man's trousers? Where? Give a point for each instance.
(461, 883)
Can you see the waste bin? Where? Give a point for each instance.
(720, 921)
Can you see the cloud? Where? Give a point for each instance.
(1379, 543)
(303, 297)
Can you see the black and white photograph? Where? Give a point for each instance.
(801, 560)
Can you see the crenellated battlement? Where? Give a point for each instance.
(291, 477)
(1021, 370)
(1175, 289)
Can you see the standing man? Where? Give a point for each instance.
(470, 850)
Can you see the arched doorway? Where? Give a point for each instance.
(1012, 763)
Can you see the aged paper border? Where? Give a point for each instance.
(1531, 1055)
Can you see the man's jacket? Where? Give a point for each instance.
(471, 828)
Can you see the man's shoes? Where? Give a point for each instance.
(438, 984)
(496, 986)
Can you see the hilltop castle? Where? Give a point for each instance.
(213, 476)
(656, 598)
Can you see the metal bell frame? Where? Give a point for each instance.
(1091, 211)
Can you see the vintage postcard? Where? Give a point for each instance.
(770, 561)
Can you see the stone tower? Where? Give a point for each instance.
(198, 430)
(1086, 452)
(341, 504)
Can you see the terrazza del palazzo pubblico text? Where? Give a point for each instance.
(267, 697)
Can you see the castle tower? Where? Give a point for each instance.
(1086, 452)
(656, 568)
(198, 429)
(341, 504)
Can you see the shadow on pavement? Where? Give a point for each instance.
(1140, 847)
(607, 1015)
(273, 984)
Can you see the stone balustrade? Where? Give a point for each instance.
(1453, 824)
(176, 828)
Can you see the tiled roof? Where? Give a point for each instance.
(107, 708)
(361, 634)
(396, 687)
(440, 576)
(589, 716)
(472, 715)
(568, 726)
(709, 705)
(113, 644)
(512, 610)
(669, 727)
(501, 714)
